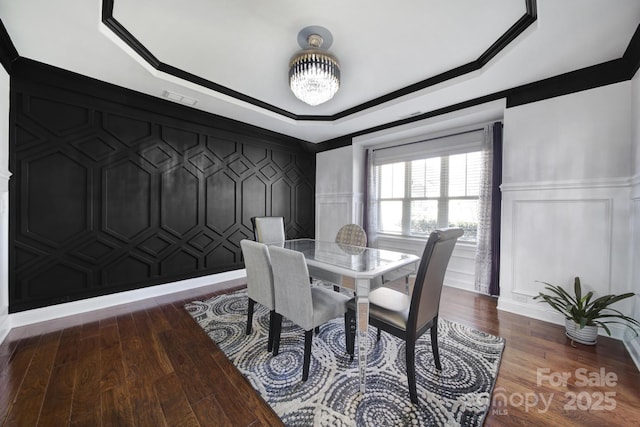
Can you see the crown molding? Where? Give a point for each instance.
(8, 52)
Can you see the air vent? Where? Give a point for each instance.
(176, 97)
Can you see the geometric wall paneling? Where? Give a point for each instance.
(127, 130)
(179, 262)
(56, 203)
(293, 174)
(24, 255)
(239, 166)
(268, 171)
(156, 244)
(203, 161)
(126, 269)
(108, 196)
(281, 197)
(126, 203)
(97, 148)
(223, 255)
(221, 201)
(43, 282)
(281, 159)
(305, 195)
(23, 137)
(254, 154)
(59, 118)
(254, 193)
(179, 200)
(180, 140)
(95, 251)
(202, 241)
(157, 153)
(221, 147)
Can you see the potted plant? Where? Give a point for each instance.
(583, 315)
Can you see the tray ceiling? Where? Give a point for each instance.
(397, 59)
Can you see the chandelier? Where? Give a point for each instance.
(314, 73)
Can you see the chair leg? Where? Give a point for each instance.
(308, 339)
(317, 330)
(272, 321)
(349, 332)
(379, 334)
(434, 344)
(250, 315)
(411, 369)
(277, 328)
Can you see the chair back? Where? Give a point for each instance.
(259, 272)
(352, 234)
(268, 229)
(291, 286)
(425, 300)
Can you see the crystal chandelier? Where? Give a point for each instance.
(314, 73)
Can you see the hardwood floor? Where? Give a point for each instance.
(148, 364)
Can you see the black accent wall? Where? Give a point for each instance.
(113, 190)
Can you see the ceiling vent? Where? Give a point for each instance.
(176, 97)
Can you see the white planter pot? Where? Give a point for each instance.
(587, 335)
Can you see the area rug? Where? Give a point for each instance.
(458, 395)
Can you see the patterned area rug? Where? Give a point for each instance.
(459, 395)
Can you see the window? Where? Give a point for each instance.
(417, 196)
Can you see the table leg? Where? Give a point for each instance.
(362, 325)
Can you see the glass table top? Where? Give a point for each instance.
(355, 259)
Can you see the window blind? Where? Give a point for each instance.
(463, 142)
(429, 184)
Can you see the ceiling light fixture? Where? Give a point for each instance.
(314, 73)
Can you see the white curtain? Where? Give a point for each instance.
(371, 220)
(483, 248)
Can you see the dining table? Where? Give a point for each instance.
(363, 264)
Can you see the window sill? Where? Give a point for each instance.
(414, 239)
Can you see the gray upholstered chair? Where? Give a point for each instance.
(298, 301)
(408, 317)
(268, 229)
(259, 282)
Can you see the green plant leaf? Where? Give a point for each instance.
(604, 327)
(584, 310)
(587, 298)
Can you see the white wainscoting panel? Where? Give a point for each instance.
(631, 340)
(332, 212)
(5, 321)
(558, 240)
(553, 233)
(461, 268)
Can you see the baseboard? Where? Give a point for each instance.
(76, 307)
(5, 324)
(633, 347)
(459, 284)
(529, 310)
(550, 316)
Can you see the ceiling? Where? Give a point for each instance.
(398, 59)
